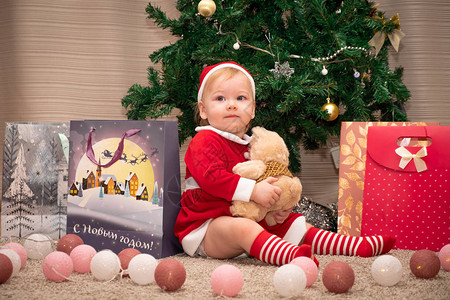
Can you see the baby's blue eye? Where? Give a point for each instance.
(241, 98)
(220, 98)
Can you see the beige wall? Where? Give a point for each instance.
(75, 59)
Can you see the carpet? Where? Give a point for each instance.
(31, 283)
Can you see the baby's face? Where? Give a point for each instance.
(228, 104)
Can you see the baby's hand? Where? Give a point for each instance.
(281, 215)
(265, 193)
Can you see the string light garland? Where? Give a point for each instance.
(328, 58)
(325, 60)
(284, 70)
(57, 266)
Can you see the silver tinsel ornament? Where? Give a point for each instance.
(319, 216)
(282, 70)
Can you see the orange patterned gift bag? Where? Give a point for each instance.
(353, 147)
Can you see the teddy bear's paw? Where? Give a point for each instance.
(270, 220)
(252, 169)
(249, 210)
(296, 187)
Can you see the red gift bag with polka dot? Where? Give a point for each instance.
(407, 187)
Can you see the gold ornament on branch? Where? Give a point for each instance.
(331, 108)
(395, 36)
(206, 8)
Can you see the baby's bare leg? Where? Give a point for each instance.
(308, 226)
(229, 237)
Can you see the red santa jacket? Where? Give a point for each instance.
(210, 158)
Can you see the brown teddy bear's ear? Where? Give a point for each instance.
(255, 129)
(258, 130)
(255, 134)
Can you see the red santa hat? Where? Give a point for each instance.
(208, 71)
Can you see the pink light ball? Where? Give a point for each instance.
(125, 256)
(68, 242)
(338, 277)
(15, 259)
(38, 246)
(424, 264)
(57, 266)
(142, 269)
(19, 250)
(387, 270)
(309, 267)
(6, 268)
(289, 280)
(105, 265)
(170, 274)
(81, 257)
(444, 257)
(227, 280)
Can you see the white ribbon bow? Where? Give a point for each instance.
(406, 157)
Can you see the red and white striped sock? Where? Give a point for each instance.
(272, 249)
(327, 242)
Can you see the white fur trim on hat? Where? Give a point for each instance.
(221, 66)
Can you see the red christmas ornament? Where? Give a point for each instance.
(68, 242)
(6, 268)
(425, 264)
(170, 274)
(19, 250)
(338, 277)
(125, 256)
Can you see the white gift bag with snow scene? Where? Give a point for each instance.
(34, 181)
(124, 185)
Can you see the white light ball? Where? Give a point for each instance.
(324, 71)
(15, 259)
(142, 269)
(289, 280)
(105, 265)
(387, 270)
(236, 46)
(38, 246)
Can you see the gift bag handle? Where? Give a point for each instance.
(117, 154)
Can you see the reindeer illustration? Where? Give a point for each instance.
(124, 158)
(133, 161)
(154, 152)
(143, 157)
(107, 154)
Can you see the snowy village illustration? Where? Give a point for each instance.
(119, 205)
(129, 179)
(35, 179)
(109, 185)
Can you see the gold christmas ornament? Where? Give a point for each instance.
(332, 110)
(206, 8)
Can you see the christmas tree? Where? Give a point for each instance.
(316, 63)
(19, 199)
(155, 199)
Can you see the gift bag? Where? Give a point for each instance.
(407, 188)
(34, 183)
(124, 179)
(353, 145)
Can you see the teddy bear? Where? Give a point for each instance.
(269, 157)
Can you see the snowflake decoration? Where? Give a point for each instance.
(282, 70)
